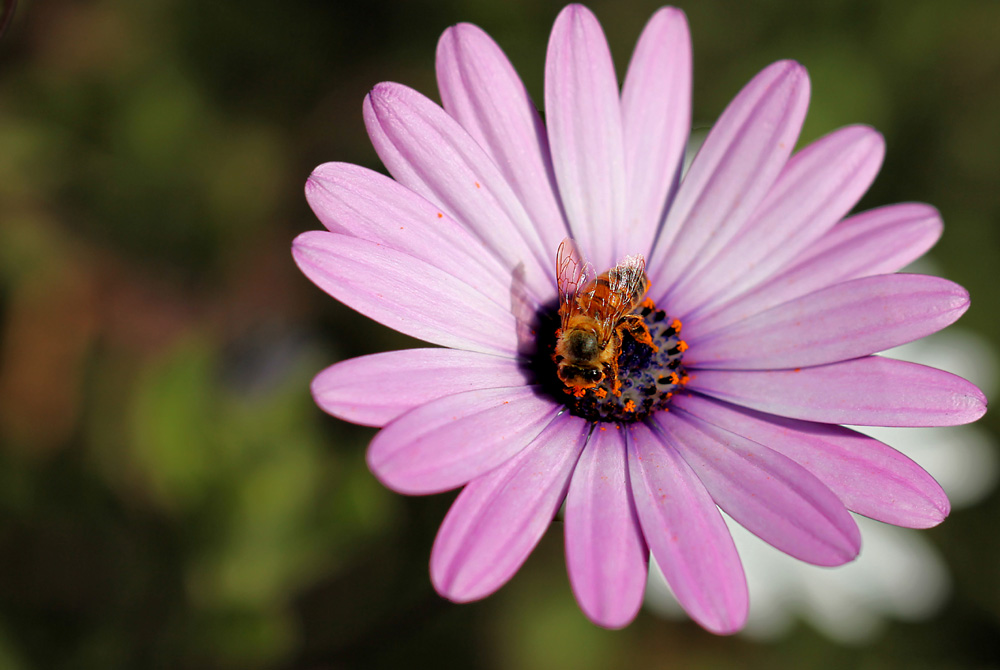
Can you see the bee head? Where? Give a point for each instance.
(574, 375)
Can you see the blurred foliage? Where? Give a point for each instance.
(170, 496)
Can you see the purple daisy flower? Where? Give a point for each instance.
(781, 303)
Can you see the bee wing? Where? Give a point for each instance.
(572, 273)
(628, 281)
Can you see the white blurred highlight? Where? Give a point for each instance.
(898, 575)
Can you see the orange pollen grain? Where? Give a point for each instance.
(440, 215)
(676, 325)
(579, 392)
(682, 346)
(630, 406)
(601, 393)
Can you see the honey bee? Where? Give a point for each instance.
(595, 315)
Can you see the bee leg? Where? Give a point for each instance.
(616, 384)
(636, 327)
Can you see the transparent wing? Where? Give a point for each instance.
(571, 274)
(627, 283)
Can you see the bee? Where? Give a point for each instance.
(595, 315)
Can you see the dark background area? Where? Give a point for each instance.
(169, 494)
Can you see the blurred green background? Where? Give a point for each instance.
(169, 494)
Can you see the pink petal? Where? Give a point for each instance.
(405, 293)
(732, 173)
(770, 495)
(876, 242)
(605, 554)
(847, 320)
(499, 517)
(656, 120)
(453, 440)
(817, 187)
(373, 390)
(870, 477)
(427, 151)
(870, 391)
(583, 115)
(356, 201)
(686, 534)
(481, 90)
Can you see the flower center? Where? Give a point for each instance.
(638, 374)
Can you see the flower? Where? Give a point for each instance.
(781, 306)
(899, 574)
